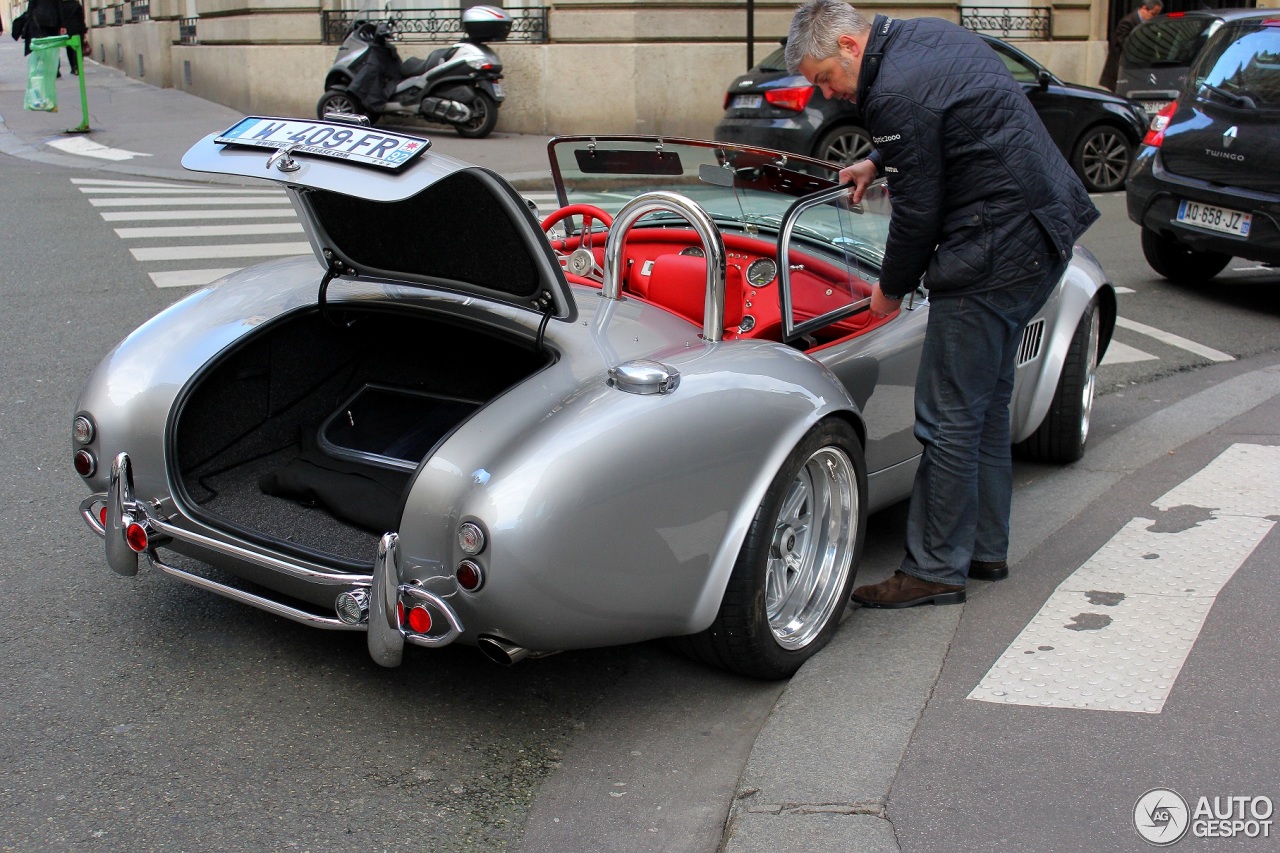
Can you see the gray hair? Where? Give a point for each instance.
(816, 28)
(1152, 5)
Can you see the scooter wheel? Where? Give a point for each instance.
(343, 102)
(484, 115)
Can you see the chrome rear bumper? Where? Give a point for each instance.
(110, 514)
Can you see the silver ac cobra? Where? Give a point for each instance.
(663, 411)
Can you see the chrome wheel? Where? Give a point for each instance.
(1090, 383)
(812, 549)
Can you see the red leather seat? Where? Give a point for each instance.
(679, 284)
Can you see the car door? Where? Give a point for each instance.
(830, 254)
(1056, 109)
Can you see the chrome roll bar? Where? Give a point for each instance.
(712, 244)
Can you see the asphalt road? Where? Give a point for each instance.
(143, 714)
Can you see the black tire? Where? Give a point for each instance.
(792, 579)
(1179, 264)
(484, 116)
(1102, 159)
(344, 102)
(843, 145)
(1064, 432)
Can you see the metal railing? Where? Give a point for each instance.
(187, 31)
(1019, 22)
(528, 24)
(139, 10)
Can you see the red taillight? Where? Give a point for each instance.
(1175, 14)
(469, 576)
(728, 96)
(102, 516)
(84, 463)
(136, 535)
(419, 620)
(796, 98)
(1159, 124)
(400, 613)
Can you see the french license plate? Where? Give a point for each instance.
(497, 89)
(342, 141)
(1214, 218)
(747, 102)
(1153, 107)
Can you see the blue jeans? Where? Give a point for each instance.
(964, 486)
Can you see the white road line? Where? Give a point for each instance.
(154, 202)
(1115, 634)
(190, 278)
(212, 230)
(166, 215)
(1173, 340)
(103, 182)
(1118, 353)
(234, 250)
(89, 148)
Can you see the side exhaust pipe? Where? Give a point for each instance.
(501, 651)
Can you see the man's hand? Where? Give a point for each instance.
(881, 305)
(860, 175)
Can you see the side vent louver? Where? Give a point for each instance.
(1032, 338)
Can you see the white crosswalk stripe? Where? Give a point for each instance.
(173, 251)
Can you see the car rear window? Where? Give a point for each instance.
(1167, 42)
(1244, 62)
(775, 61)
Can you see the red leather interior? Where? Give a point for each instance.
(679, 284)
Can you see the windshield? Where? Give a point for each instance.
(1167, 42)
(1241, 66)
(744, 189)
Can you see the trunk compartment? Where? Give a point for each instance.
(306, 436)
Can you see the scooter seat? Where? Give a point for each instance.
(436, 57)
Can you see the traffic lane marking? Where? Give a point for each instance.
(88, 148)
(190, 278)
(172, 231)
(1116, 633)
(1118, 353)
(1173, 340)
(231, 250)
(166, 215)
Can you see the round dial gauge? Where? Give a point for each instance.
(761, 272)
(693, 252)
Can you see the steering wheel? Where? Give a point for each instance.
(581, 261)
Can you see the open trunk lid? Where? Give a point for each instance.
(378, 205)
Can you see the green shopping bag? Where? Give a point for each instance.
(42, 73)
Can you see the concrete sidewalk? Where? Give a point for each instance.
(138, 129)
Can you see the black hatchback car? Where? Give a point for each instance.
(1158, 54)
(1095, 130)
(1206, 185)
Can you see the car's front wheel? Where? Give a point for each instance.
(1062, 435)
(1177, 263)
(793, 575)
(844, 145)
(1102, 159)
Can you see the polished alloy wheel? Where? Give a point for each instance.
(811, 552)
(1090, 383)
(1104, 158)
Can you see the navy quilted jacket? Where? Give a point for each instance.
(982, 198)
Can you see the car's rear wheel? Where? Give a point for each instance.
(1177, 263)
(344, 103)
(1062, 435)
(1102, 159)
(796, 567)
(844, 145)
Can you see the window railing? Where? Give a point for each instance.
(1012, 23)
(139, 10)
(528, 24)
(187, 31)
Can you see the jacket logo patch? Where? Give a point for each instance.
(881, 140)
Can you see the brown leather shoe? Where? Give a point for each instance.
(903, 590)
(984, 570)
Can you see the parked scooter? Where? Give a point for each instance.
(456, 85)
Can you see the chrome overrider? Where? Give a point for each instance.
(383, 590)
(703, 225)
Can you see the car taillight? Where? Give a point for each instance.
(795, 98)
(1159, 124)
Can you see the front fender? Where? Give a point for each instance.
(613, 517)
